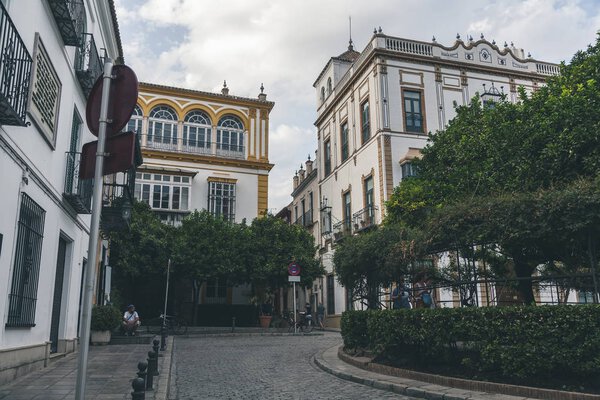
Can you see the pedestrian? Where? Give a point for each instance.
(321, 315)
(423, 293)
(131, 320)
(400, 296)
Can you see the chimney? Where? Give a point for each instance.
(262, 95)
(301, 173)
(309, 166)
(225, 89)
(295, 180)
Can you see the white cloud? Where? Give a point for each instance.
(285, 44)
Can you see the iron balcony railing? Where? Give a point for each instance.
(341, 229)
(15, 73)
(305, 219)
(364, 218)
(70, 19)
(78, 192)
(88, 65)
(178, 145)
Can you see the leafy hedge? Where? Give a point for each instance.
(515, 343)
(105, 318)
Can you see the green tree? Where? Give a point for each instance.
(139, 256)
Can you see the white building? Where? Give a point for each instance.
(50, 55)
(374, 111)
(203, 151)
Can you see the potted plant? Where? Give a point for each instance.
(104, 320)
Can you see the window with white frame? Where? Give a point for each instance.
(135, 123)
(163, 192)
(196, 131)
(221, 199)
(230, 134)
(162, 128)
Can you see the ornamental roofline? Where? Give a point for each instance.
(154, 87)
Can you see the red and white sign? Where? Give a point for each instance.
(294, 269)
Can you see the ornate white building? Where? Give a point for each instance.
(374, 111)
(50, 55)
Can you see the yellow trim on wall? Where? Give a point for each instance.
(203, 108)
(198, 158)
(263, 195)
(163, 101)
(237, 113)
(222, 180)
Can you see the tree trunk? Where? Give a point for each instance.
(524, 285)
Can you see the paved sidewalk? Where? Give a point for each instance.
(329, 362)
(110, 372)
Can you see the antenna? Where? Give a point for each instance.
(350, 46)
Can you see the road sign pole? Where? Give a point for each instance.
(295, 323)
(90, 273)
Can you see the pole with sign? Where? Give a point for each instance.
(294, 271)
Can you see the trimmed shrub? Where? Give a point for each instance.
(516, 343)
(105, 318)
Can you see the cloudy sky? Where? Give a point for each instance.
(284, 44)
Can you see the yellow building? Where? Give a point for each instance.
(203, 151)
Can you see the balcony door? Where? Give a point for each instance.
(59, 278)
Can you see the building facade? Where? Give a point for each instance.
(375, 109)
(203, 151)
(50, 56)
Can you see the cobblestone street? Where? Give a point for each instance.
(260, 367)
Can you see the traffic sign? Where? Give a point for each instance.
(294, 278)
(121, 155)
(123, 97)
(294, 269)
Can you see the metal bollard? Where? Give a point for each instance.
(152, 366)
(142, 366)
(163, 337)
(232, 324)
(155, 346)
(139, 392)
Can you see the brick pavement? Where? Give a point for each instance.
(110, 371)
(260, 367)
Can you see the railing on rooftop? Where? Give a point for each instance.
(88, 64)
(547, 69)
(78, 192)
(70, 19)
(15, 73)
(179, 145)
(408, 46)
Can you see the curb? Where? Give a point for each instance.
(424, 390)
(164, 379)
(225, 334)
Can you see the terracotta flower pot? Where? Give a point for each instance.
(265, 320)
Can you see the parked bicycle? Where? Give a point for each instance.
(303, 324)
(173, 324)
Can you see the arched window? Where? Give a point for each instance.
(329, 88)
(322, 94)
(230, 136)
(162, 128)
(196, 131)
(135, 123)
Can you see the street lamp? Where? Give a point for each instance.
(492, 96)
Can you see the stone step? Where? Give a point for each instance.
(139, 339)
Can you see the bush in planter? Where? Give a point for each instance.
(105, 318)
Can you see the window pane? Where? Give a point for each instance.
(176, 196)
(165, 197)
(156, 197)
(184, 198)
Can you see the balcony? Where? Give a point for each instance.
(364, 219)
(15, 73)
(341, 230)
(88, 65)
(305, 219)
(70, 19)
(177, 145)
(78, 192)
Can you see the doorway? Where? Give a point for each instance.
(61, 259)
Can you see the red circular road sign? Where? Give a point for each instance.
(123, 97)
(294, 269)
